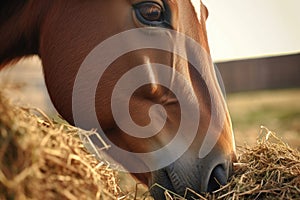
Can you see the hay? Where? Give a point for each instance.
(269, 170)
(41, 159)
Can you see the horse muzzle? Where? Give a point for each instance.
(188, 174)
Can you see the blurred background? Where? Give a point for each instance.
(253, 28)
(256, 47)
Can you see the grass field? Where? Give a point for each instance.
(279, 110)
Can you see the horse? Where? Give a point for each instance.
(63, 33)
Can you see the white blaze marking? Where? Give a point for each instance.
(196, 4)
(150, 71)
(152, 76)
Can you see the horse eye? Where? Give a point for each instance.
(149, 13)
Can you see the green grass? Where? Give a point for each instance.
(279, 110)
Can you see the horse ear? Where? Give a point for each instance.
(204, 10)
(197, 7)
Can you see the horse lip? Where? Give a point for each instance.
(179, 176)
(177, 184)
(171, 180)
(163, 180)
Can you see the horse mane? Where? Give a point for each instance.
(9, 7)
(8, 10)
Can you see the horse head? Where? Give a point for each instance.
(173, 99)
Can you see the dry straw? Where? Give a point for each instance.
(41, 159)
(269, 170)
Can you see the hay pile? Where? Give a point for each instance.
(269, 170)
(40, 159)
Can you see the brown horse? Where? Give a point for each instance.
(63, 32)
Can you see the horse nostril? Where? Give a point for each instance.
(217, 178)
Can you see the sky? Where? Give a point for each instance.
(252, 28)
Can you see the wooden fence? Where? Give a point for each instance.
(261, 73)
